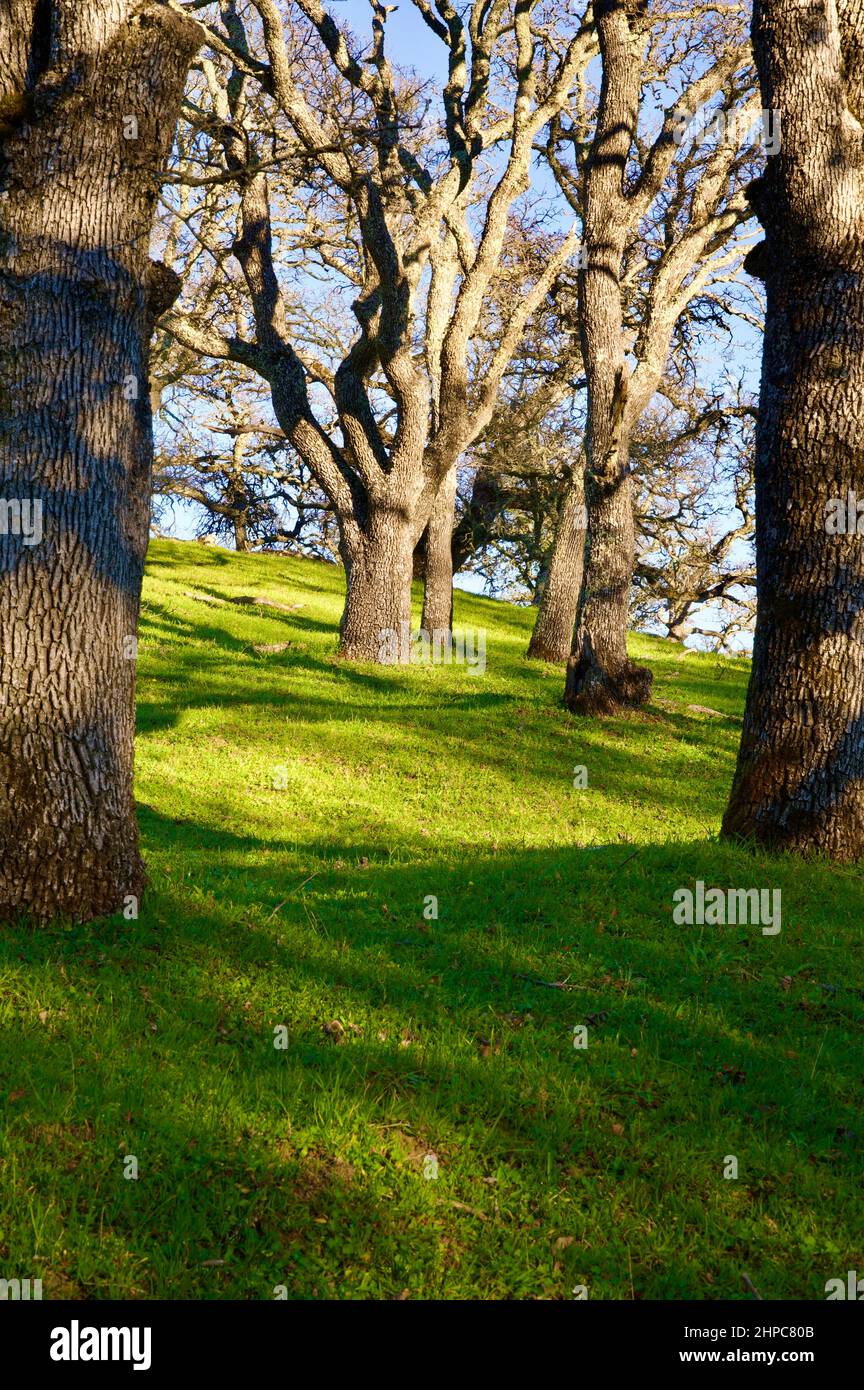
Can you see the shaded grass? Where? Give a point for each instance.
(298, 814)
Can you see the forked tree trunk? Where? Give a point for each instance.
(438, 566)
(376, 620)
(799, 783)
(552, 637)
(377, 527)
(89, 96)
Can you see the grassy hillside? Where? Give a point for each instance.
(296, 815)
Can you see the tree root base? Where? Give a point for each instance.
(594, 692)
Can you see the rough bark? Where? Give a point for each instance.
(799, 782)
(617, 198)
(78, 295)
(376, 620)
(552, 638)
(600, 676)
(438, 566)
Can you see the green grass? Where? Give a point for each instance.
(301, 905)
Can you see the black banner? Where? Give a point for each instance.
(153, 1338)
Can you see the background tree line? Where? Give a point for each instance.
(429, 324)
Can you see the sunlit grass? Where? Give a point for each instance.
(297, 813)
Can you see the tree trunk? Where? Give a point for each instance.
(799, 782)
(601, 678)
(238, 494)
(552, 638)
(89, 97)
(376, 620)
(475, 526)
(241, 533)
(477, 522)
(538, 588)
(438, 573)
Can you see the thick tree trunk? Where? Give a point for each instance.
(552, 638)
(89, 98)
(799, 782)
(376, 620)
(601, 678)
(438, 569)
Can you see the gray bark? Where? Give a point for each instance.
(438, 564)
(78, 296)
(552, 638)
(799, 782)
(378, 568)
(600, 676)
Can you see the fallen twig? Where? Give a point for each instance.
(293, 891)
(748, 1284)
(549, 984)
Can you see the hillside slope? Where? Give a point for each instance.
(424, 1125)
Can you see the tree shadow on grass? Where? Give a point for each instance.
(406, 1035)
